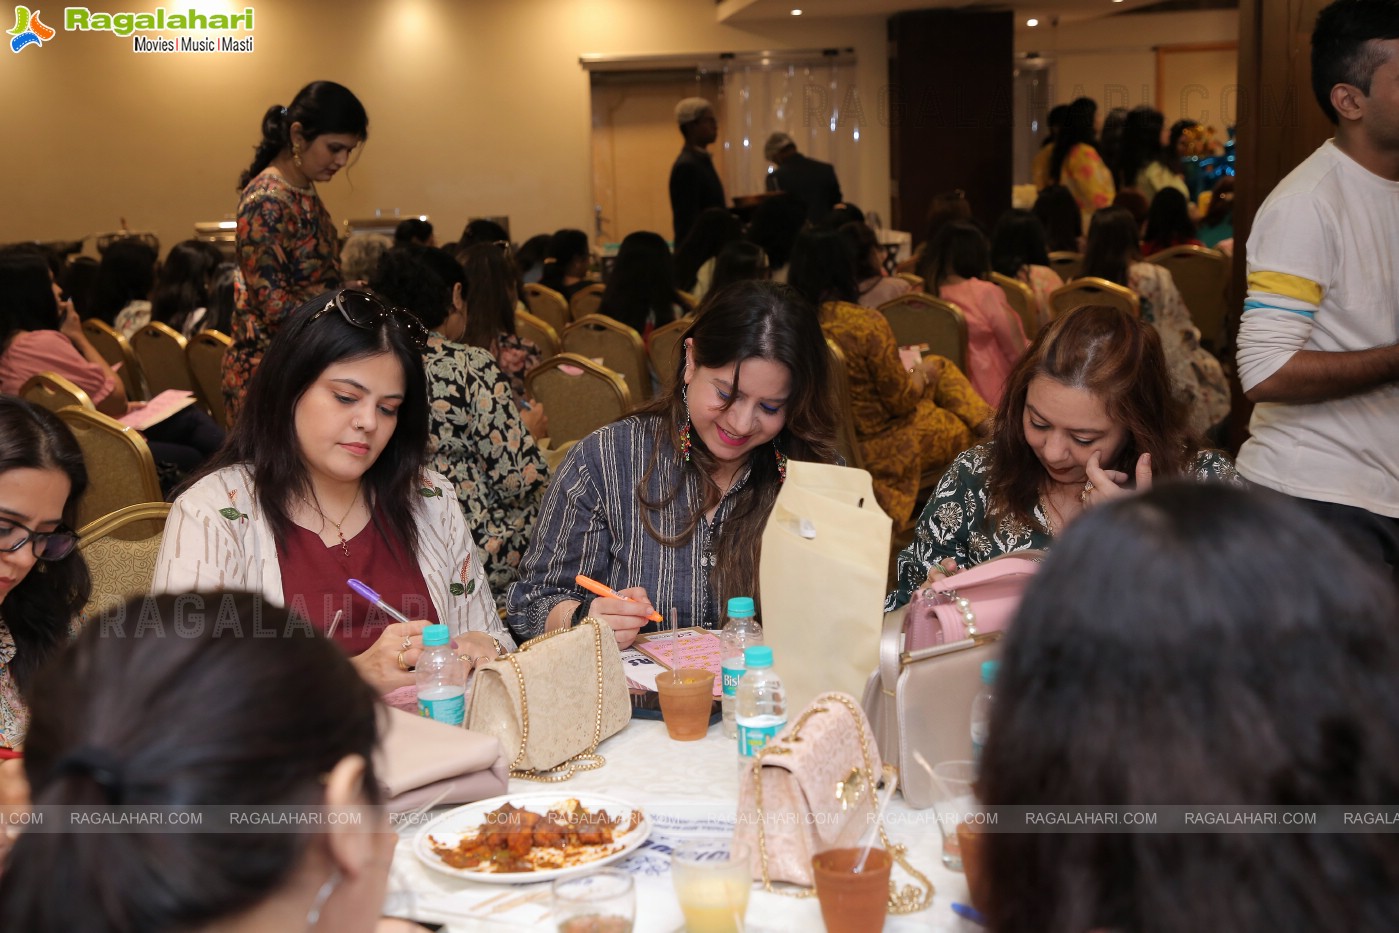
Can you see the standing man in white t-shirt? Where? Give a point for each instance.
(1319, 337)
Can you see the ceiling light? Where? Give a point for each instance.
(1032, 22)
(796, 12)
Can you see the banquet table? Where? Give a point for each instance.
(689, 786)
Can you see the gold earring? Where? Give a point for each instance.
(296, 154)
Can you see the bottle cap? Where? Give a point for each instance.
(741, 607)
(989, 670)
(435, 635)
(757, 656)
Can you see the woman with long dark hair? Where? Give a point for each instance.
(1168, 223)
(1088, 415)
(491, 292)
(1076, 164)
(121, 295)
(566, 263)
(325, 481)
(1114, 253)
(1144, 162)
(1020, 251)
(907, 419)
(1170, 653)
(182, 287)
(288, 248)
(668, 505)
(715, 228)
(641, 289)
(1063, 224)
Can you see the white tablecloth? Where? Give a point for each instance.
(687, 780)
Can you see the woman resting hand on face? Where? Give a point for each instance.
(324, 481)
(667, 506)
(1088, 416)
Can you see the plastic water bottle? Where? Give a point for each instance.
(762, 702)
(740, 632)
(981, 708)
(441, 678)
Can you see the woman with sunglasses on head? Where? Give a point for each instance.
(42, 477)
(325, 481)
(667, 506)
(288, 247)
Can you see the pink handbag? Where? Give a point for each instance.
(970, 603)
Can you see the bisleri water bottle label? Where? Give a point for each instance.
(732, 675)
(451, 710)
(752, 739)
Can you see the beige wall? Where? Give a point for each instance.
(1113, 61)
(476, 107)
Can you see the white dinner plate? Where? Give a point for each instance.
(451, 826)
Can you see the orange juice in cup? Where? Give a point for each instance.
(712, 883)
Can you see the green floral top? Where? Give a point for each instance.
(954, 522)
(480, 444)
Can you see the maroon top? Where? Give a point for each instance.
(313, 583)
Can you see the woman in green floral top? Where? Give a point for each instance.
(1089, 415)
(288, 252)
(478, 438)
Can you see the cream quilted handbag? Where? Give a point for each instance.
(553, 701)
(813, 788)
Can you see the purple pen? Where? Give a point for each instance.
(363, 589)
(968, 912)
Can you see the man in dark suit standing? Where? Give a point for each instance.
(694, 184)
(812, 181)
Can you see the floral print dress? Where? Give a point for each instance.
(288, 253)
(1087, 177)
(480, 444)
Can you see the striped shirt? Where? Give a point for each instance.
(592, 524)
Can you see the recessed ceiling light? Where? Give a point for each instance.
(796, 12)
(1032, 22)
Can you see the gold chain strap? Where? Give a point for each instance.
(905, 900)
(587, 760)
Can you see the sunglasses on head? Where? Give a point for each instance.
(366, 310)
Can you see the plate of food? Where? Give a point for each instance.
(524, 838)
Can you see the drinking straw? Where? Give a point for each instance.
(878, 822)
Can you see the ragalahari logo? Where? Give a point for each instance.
(29, 30)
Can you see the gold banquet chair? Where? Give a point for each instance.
(1091, 290)
(547, 305)
(1068, 265)
(586, 301)
(116, 349)
(915, 280)
(204, 357)
(598, 336)
(920, 320)
(1202, 276)
(665, 350)
(541, 332)
(161, 351)
(54, 392)
(578, 395)
(120, 468)
(1022, 300)
(120, 550)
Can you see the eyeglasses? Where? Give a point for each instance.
(48, 545)
(366, 310)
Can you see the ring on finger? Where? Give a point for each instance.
(407, 642)
(403, 662)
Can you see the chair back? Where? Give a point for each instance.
(664, 351)
(545, 337)
(1092, 290)
(586, 301)
(1202, 276)
(915, 280)
(847, 441)
(161, 351)
(121, 550)
(120, 468)
(578, 395)
(204, 357)
(52, 391)
(1068, 265)
(115, 348)
(598, 336)
(687, 301)
(920, 320)
(1022, 300)
(547, 305)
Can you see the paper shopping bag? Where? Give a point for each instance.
(822, 574)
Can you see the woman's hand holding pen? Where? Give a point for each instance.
(624, 616)
(388, 663)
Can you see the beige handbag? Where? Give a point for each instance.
(553, 701)
(822, 576)
(922, 701)
(814, 788)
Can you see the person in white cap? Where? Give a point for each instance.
(813, 181)
(694, 184)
